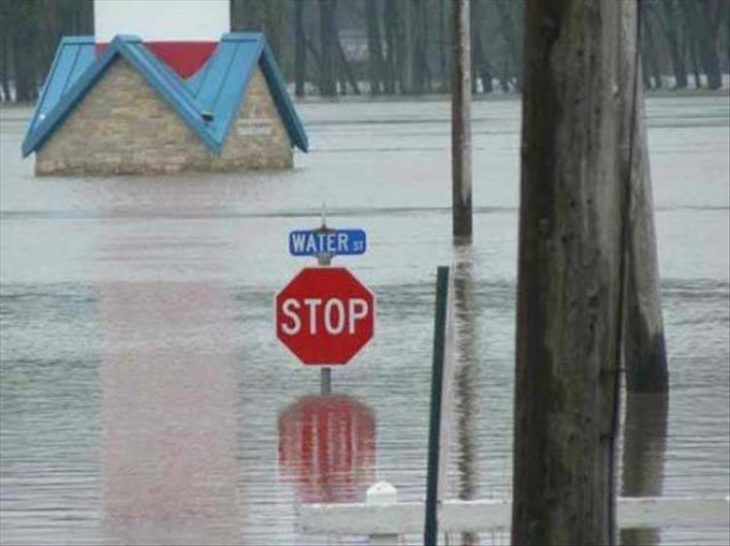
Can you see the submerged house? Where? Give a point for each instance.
(124, 110)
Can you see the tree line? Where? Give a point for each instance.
(385, 47)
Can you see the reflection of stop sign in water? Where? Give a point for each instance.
(324, 315)
(327, 447)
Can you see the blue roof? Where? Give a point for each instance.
(217, 87)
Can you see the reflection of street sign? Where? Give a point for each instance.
(327, 447)
(334, 242)
(325, 315)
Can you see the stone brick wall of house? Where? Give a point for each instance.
(123, 126)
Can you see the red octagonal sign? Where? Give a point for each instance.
(325, 315)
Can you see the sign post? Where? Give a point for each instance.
(324, 243)
(324, 259)
(438, 436)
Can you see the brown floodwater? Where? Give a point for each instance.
(144, 397)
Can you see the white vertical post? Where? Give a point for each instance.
(382, 493)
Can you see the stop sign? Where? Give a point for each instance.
(324, 315)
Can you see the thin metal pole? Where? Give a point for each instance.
(430, 534)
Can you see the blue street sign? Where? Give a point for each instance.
(335, 242)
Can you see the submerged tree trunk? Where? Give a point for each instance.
(483, 68)
(509, 12)
(671, 27)
(645, 73)
(481, 65)
(5, 52)
(649, 50)
(375, 50)
(346, 69)
(405, 45)
(504, 79)
(645, 356)
(692, 47)
(444, 45)
(707, 30)
(272, 27)
(328, 53)
(473, 24)
(300, 49)
(419, 58)
(568, 323)
(390, 19)
(23, 19)
(696, 65)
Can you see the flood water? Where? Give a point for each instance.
(145, 399)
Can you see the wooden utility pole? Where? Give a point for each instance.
(645, 356)
(569, 276)
(461, 122)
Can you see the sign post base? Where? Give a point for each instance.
(326, 380)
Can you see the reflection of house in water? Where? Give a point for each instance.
(168, 400)
(327, 448)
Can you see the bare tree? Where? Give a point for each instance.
(444, 45)
(649, 51)
(390, 17)
(482, 67)
(707, 26)
(327, 29)
(24, 34)
(666, 13)
(346, 72)
(404, 45)
(413, 37)
(511, 13)
(375, 49)
(419, 31)
(5, 50)
(300, 49)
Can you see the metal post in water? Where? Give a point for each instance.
(433, 494)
